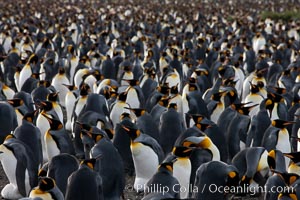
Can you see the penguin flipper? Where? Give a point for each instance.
(270, 139)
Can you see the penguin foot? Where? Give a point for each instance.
(10, 191)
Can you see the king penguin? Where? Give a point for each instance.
(60, 167)
(277, 137)
(171, 125)
(109, 165)
(20, 167)
(8, 120)
(47, 190)
(85, 183)
(57, 140)
(58, 82)
(215, 173)
(164, 181)
(143, 145)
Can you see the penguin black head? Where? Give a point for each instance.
(166, 166)
(232, 178)
(174, 89)
(182, 151)
(132, 82)
(194, 141)
(90, 163)
(16, 102)
(294, 156)
(164, 89)
(125, 115)
(96, 137)
(245, 110)
(287, 195)
(33, 59)
(53, 96)
(197, 118)
(29, 116)
(137, 111)
(253, 88)
(202, 126)
(54, 123)
(84, 126)
(70, 87)
(44, 105)
(122, 96)
(289, 178)
(46, 183)
(44, 83)
(275, 97)
(281, 123)
(172, 106)
(217, 96)
(84, 89)
(61, 70)
(164, 101)
(131, 130)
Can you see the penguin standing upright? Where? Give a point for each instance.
(60, 167)
(277, 137)
(118, 108)
(143, 145)
(109, 166)
(217, 106)
(252, 164)
(70, 100)
(28, 133)
(58, 82)
(170, 127)
(57, 139)
(218, 174)
(20, 167)
(85, 183)
(165, 180)
(8, 119)
(53, 98)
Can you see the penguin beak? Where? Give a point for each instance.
(288, 123)
(125, 128)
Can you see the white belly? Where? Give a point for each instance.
(145, 162)
(43, 124)
(182, 171)
(51, 146)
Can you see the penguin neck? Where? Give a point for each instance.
(215, 152)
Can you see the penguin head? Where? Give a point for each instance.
(182, 151)
(202, 126)
(131, 129)
(164, 101)
(70, 87)
(294, 156)
(52, 96)
(164, 89)
(278, 123)
(166, 167)
(288, 178)
(194, 141)
(54, 123)
(287, 196)
(137, 111)
(44, 105)
(29, 116)
(174, 89)
(95, 136)
(44, 83)
(217, 96)
(90, 163)
(16, 102)
(122, 96)
(197, 118)
(84, 89)
(33, 59)
(172, 106)
(132, 82)
(245, 110)
(46, 183)
(253, 88)
(232, 178)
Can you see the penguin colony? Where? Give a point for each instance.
(189, 98)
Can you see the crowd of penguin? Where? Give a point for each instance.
(181, 96)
